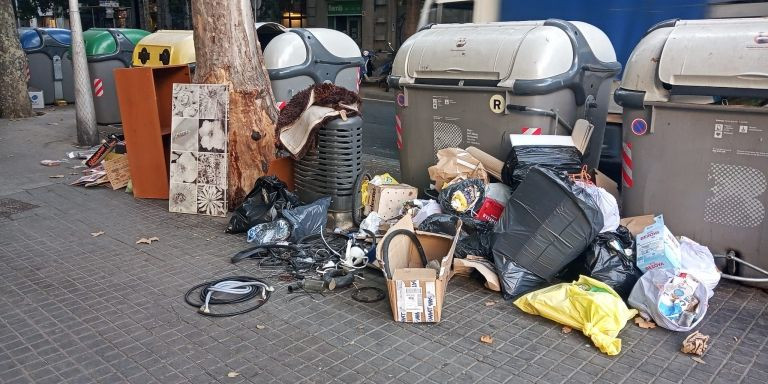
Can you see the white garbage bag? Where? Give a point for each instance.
(608, 206)
(697, 260)
(675, 302)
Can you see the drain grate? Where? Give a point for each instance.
(10, 207)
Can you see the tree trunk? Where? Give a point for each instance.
(412, 10)
(14, 99)
(228, 53)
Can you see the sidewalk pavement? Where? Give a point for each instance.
(83, 309)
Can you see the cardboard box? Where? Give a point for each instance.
(416, 294)
(387, 200)
(657, 248)
(36, 98)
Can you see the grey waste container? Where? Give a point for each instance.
(466, 85)
(50, 66)
(299, 57)
(107, 49)
(695, 140)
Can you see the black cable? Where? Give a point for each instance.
(205, 288)
(255, 252)
(385, 248)
(356, 294)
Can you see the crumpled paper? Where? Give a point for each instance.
(453, 163)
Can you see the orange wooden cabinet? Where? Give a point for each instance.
(144, 95)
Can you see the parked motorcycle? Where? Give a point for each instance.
(377, 66)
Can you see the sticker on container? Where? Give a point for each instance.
(639, 127)
(430, 303)
(530, 131)
(401, 99)
(98, 87)
(497, 103)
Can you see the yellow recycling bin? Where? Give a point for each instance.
(165, 47)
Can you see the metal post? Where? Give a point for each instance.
(87, 132)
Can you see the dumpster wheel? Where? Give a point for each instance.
(357, 201)
(733, 261)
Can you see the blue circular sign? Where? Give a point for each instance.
(639, 127)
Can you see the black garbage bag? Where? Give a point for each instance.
(610, 259)
(475, 238)
(268, 197)
(521, 159)
(471, 192)
(307, 219)
(516, 280)
(548, 222)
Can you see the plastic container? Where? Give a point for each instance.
(165, 47)
(50, 66)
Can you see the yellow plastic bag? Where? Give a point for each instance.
(588, 305)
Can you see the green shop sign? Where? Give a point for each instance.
(344, 7)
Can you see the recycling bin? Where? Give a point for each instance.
(299, 57)
(107, 49)
(463, 85)
(50, 66)
(165, 47)
(695, 133)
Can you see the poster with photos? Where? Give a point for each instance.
(199, 149)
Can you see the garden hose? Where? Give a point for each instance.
(240, 289)
(385, 248)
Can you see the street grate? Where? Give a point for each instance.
(10, 207)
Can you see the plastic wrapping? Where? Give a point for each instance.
(521, 159)
(516, 280)
(675, 302)
(271, 232)
(268, 197)
(697, 260)
(609, 259)
(308, 219)
(462, 198)
(548, 222)
(587, 305)
(608, 206)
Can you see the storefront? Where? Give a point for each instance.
(346, 16)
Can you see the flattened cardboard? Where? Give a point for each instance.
(637, 224)
(408, 274)
(118, 172)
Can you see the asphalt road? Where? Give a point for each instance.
(379, 127)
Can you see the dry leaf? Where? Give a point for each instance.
(486, 339)
(260, 326)
(735, 338)
(642, 323)
(695, 343)
(490, 303)
(698, 360)
(153, 239)
(97, 234)
(567, 329)
(144, 240)
(233, 374)
(56, 176)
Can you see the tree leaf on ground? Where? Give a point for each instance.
(56, 176)
(698, 360)
(486, 339)
(233, 374)
(145, 240)
(567, 329)
(645, 324)
(490, 303)
(97, 234)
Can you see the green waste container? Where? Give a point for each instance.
(107, 49)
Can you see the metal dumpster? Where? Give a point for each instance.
(299, 57)
(695, 140)
(165, 47)
(50, 66)
(107, 49)
(474, 84)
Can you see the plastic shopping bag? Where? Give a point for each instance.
(587, 305)
(697, 260)
(675, 302)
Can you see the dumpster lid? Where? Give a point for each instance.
(165, 47)
(29, 38)
(728, 53)
(60, 35)
(102, 41)
(288, 49)
(498, 53)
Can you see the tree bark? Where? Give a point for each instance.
(412, 10)
(14, 99)
(228, 52)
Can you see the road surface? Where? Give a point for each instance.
(379, 127)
